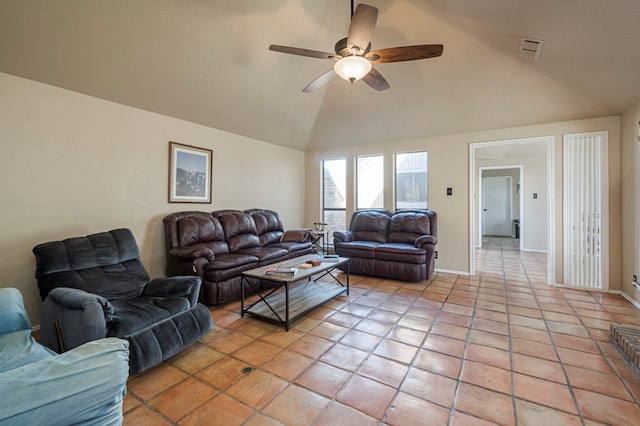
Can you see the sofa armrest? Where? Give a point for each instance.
(189, 254)
(425, 239)
(199, 265)
(186, 286)
(342, 236)
(81, 316)
(82, 386)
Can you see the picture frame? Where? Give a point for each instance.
(190, 172)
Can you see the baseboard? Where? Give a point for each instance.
(452, 271)
(626, 296)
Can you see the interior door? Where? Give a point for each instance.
(496, 205)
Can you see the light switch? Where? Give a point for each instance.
(449, 191)
(535, 195)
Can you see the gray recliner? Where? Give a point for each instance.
(96, 286)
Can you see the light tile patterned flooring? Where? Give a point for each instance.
(500, 347)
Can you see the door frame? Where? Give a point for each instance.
(481, 199)
(473, 197)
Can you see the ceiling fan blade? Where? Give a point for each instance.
(405, 53)
(323, 79)
(376, 80)
(361, 29)
(303, 52)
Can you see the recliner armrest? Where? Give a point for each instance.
(82, 316)
(73, 298)
(342, 236)
(425, 239)
(185, 286)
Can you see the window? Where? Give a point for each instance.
(411, 180)
(370, 182)
(334, 188)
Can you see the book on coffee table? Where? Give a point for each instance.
(281, 270)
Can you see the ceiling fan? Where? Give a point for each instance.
(353, 55)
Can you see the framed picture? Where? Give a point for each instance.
(189, 174)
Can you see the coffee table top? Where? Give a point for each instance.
(295, 263)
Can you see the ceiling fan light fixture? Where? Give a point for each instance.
(352, 68)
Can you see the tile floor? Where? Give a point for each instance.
(501, 347)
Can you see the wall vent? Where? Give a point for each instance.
(530, 48)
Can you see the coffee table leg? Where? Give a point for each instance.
(286, 306)
(242, 296)
(348, 274)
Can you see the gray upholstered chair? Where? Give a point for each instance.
(96, 286)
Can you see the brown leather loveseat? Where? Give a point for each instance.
(398, 245)
(219, 246)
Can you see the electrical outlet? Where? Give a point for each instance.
(436, 254)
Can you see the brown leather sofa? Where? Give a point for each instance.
(219, 246)
(398, 245)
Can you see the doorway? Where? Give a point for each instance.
(534, 188)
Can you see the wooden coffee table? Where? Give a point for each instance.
(302, 292)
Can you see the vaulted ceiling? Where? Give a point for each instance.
(208, 62)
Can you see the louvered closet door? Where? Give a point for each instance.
(584, 199)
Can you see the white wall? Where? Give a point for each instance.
(449, 167)
(72, 164)
(630, 165)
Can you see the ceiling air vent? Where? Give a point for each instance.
(530, 47)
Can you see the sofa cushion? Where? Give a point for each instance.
(231, 260)
(133, 315)
(293, 247)
(370, 225)
(266, 254)
(239, 229)
(106, 263)
(363, 249)
(269, 226)
(399, 252)
(202, 231)
(406, 226)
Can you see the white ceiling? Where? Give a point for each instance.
(208, 62)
